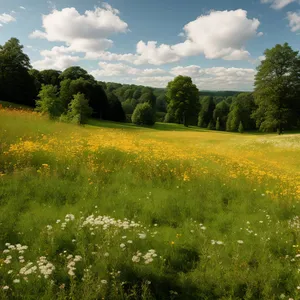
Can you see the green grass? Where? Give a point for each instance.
(183, 221)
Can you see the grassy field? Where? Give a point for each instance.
(114, 211)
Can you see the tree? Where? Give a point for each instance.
(16, 84)
(114, 111)
(79, 109)
(74, 73)
(241, 127)
(220, 114)
(182, 96)
(49, 102)
(241, 109)
(148, 97)
(277, 89)
(37, 80)
(51, 76)
(206, 111)
(127, 106)
(143, 114)
(218, 126)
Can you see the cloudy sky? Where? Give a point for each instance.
(218, 43)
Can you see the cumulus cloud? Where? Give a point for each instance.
(278, 4)
(57, 58)
(22, 7)
(120, 69)
(294, 20)
(82, 33)
(219, 34)
(216, 78)
(6, 18)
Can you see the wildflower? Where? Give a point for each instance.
(16, 281)
(49, 227)
(135, 258)
(10, 271)
(240, 242)
(122, 245)
(129, 241)
(203, 228)
(142, 235)
(106, 254)
(172, 243)
(103, 281)
(6, 287)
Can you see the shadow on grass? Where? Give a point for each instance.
(158, 126)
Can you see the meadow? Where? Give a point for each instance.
(115, 211)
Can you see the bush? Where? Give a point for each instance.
(49, 102)
(241, 127)
(143, 114)
(169, 118)
(79, 110)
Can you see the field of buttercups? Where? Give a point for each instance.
(111, 211)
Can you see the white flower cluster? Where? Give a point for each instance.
(295, 223)
(106, 222)
(213, 242)
(148, 257)
(28, 269)
(68, 218)
(72, 263)
(46, 268)
(18, 247)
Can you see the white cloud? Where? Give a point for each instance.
(278, 4)
(219, 34)
(294, 20)
(120, 69)
(216, 78)
(82, 33)
(22, 7)
(6, 18)
(57, 58)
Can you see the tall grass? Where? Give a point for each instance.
(116, 213)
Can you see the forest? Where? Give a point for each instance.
(75, 95)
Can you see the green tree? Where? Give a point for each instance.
(182, 96)
(49, 102)
(114, 111)
(148, 97)
(206, 112)
(16, 84)
(241, 127)
(127, 106)
(277, 89)
(143, 114)
(241, 109)
(220, 114)
(74, 73)
(51, 76)
(37, 80)
(79, 109)
(218, 126)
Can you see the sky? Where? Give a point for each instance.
(219, 43)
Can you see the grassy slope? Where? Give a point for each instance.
(170, 179)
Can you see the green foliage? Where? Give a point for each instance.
(277, 89)
(241, 127)
(51, 76)
(143, 114)
(169, 118)
(49, 102)
(182, 96)
(127, 106)
(148, 97)
(218, 126)
(16, 84)
(206, 112)
(240, 110)
(74, 73)
(79, 110)
(220, 114)
(210, 125)
(114, 111)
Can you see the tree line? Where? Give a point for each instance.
(74, 95)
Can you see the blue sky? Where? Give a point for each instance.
(218, 43)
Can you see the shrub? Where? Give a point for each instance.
(49, 102)
(79, 109)
(241, 127)
(143, 114)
